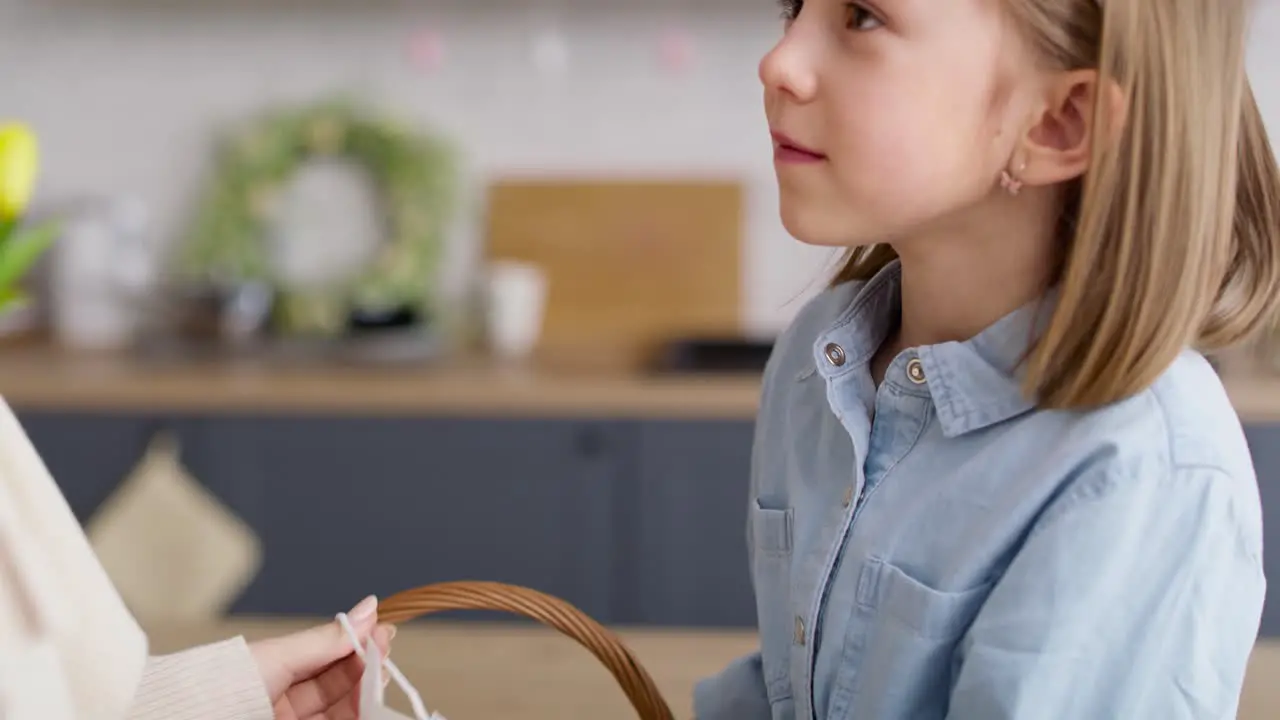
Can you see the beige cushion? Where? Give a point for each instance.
(173, 549)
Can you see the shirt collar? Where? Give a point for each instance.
(973, 383)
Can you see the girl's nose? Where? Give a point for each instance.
(789, 68)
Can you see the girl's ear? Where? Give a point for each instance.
(1058, 144)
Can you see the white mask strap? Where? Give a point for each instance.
(419, 710)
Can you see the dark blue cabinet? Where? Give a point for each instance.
(1264, 444)
(347, 506)
(684, 526)
(89, 454)
(638, 522)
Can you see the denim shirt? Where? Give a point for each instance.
(938, 547)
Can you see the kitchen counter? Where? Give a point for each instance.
(522, 672)
(44, 378)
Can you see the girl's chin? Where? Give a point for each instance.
(814, 229)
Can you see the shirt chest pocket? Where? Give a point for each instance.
(771, 539)
(913, 632)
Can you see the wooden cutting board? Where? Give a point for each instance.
(630, 263)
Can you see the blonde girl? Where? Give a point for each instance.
(993, 476)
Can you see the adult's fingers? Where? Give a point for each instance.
(329, 687)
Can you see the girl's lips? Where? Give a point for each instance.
(789, 151)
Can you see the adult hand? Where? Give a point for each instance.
(315, 674)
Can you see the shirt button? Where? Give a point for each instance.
(799, 630)
(848, 496)
(915, 371)
(834, 353)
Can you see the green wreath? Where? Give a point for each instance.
(414, 176)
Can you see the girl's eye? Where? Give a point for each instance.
(857, 17)
(861, 19)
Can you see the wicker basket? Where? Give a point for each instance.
(548, 610)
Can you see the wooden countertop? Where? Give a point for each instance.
(524, 672)
(40, 377)
(515, 671)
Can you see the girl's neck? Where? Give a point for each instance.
(956, 284)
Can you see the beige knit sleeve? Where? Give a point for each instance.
(212, 682)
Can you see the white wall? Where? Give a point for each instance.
(1264, 64)
(126, 94)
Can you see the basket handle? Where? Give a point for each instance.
(546, 609)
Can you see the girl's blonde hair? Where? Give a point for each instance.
(1172, 238)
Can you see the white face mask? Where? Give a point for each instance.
(372, 688)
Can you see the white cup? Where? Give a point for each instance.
(515, 301)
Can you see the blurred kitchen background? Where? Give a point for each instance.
(353, 297)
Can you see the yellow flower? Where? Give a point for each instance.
(19, 157)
